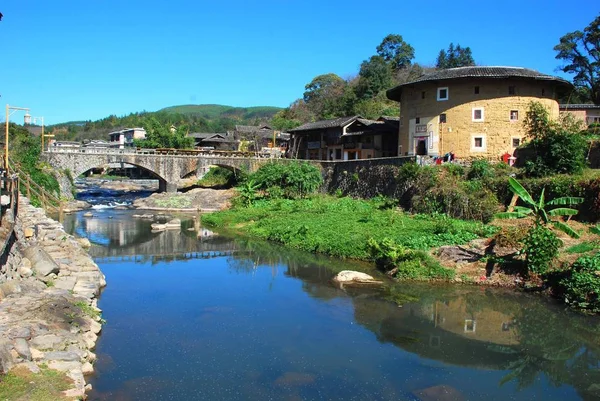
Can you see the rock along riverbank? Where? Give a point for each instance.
(48, 301)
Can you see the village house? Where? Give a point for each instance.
(124, 138)
(472, 112)
(346, 138)
(260, 137)
(216, 141)
(588, 113)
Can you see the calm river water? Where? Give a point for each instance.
(196, 316)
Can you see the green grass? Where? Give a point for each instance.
(88, 310)
(584, 247)
(22, 385)
(341, 227)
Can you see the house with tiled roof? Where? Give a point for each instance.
(345, 138)
(471, 111)
(588, 113)
(217, 141)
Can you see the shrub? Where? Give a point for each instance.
(297, 180)
(540, 248)
(581, 284)
(217, 177)
(455, 170)
(480, 169)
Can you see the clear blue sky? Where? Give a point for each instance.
(87, 59)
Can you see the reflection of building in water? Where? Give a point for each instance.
(487, 325)
(204, 233)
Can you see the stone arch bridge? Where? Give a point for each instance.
(169, 166)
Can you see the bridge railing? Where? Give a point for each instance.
(163, 152)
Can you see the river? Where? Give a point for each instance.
(191, 315)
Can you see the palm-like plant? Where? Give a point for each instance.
(539, 209)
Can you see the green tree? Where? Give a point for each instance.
(541, 244)
(396, 51)
(581, 53)
(324, 96)
(285, 120)
(375, 76)
(559, 146)
(160, 135)
(455, 57)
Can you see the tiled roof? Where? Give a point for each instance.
(578, 106)
(251, 128)
(204, 135)
(478, 72)
(336, 122)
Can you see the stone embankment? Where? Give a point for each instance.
(48, 306)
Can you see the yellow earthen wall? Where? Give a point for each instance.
(456, 135)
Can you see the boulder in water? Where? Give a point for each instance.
(351, 277)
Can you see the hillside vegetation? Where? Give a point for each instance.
(194, 118)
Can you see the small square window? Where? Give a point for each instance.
(418, 120)
(478, 142)
(512, 90)
(442, 94)
(478, 114)
(470, 325)
(516, 142)
(514, 115)
(422, 95)
(443, 118)
(476, 90)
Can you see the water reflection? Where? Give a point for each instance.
(237, 319)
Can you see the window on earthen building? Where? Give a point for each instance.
(478, 114)
(512, 90)
(476, 90)
(516, 142)
(443, 118)
(470, 325)
(418, 120)
(442, 94)
(514, 115)
(478, 143)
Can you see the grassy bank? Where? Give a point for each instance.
(342, 227)
(47, 385)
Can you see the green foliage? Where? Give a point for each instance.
(394, 50)
(406, 263)
(540, 248)
(454, 169)
(47, 385)
(375, 75)
(455, 57)
(341, 227)
(218, 177)
(584, 247)
(581, 284)
(559, 148)
(160, 135)
(247, 193)
(25, 153)
(581, 53)
(296, 179)
(89, 311)
(539, 209)
(480, 170)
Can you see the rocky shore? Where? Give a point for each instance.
(48, 301)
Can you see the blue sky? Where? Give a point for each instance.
(86, 59)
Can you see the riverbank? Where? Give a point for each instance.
(49, 320)
(425, 247)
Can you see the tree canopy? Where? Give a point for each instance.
(160, 135)
(396, 51)
(581, 53)
(455, 57)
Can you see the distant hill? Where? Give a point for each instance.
(213, 111)
(198, 118)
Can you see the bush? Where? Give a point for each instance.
(480, 170)
(455, 170)
(297, 180)
(217, 177)
(540, 248)
(404, 263)
(581, 284)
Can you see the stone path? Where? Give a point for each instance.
(48, 305)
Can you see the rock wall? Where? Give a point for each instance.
(364, 178)
(48, 305)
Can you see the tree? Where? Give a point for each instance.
(396, 51)
(160, 135)
(327, 96)
(581, 54)
(455, 57)
(375, 75)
